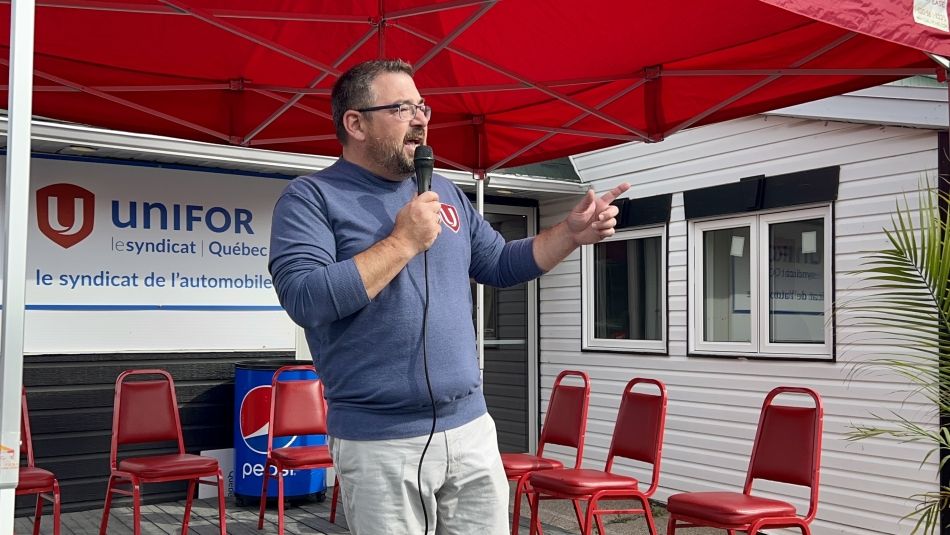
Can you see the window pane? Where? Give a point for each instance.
(726, 294)
(797, 282)
(491, 308)
(627, 289)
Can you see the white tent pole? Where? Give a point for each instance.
(480, 175)
(480, 288)
(20, 109)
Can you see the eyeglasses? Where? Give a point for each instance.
(405, 112)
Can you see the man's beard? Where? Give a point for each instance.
(392, 156)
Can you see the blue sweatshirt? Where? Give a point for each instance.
(369, 352)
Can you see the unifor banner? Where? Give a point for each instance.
(140, 256)
(134, 235)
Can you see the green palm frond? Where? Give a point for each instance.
(906, 301)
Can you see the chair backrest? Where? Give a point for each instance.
(638, 433)
(26, 439)
(145, 411)
(787, 445)
(297, 406)
(566, 420)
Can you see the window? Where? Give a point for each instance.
(760, 285)
(624, 292)
(491, 310)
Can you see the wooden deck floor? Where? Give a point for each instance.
(165, 519)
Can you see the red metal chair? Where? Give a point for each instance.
(787, 449)
(33, 480)
(146, 411)
(564, 424)
(297, 407)
(638, 435)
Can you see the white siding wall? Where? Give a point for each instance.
(714, 402)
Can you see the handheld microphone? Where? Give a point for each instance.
(424, 161)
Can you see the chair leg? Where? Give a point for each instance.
(188, 499)
(588, 526)
(222, 516)
(516, 513)
(535, 515)
(537, 500)
(648, 513)
(56, 507)
(260, 517)
(38, 515)
(757, 525)
(280, 503)
(136, 507)
(671, 526)
(577, 513)
(104, 523)
(600, 525)
(336, 495)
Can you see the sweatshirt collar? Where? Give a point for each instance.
(364, 174)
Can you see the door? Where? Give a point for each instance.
(510, 342)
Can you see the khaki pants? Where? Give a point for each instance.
(463, 483)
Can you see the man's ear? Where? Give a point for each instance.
(355, 125)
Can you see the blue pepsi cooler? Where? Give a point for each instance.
(252, 395)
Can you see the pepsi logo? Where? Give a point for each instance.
(255, 421)
(450, 217)
(65, 213)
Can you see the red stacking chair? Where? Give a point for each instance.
(146, 411)
(787, 449)
(638, 435)
(33, 480)
(297, 407)
(564, 424)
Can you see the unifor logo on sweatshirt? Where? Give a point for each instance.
(450, 217)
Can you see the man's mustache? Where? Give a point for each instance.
(416, 134)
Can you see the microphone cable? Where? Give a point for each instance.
(423, 161)
(425, 364)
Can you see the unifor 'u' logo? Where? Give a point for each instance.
(450, 217)
(65, 213)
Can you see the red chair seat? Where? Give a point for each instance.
(34, 478)
(522, 463)
(169, 466)
(302, 455)
(579, 482)
(728, 508)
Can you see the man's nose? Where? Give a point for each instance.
(419, 118)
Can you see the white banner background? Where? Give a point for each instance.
(71, 310)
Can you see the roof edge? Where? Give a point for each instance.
(294, 163)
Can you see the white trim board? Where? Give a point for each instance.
(918, 107)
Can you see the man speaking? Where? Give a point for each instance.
(386, 322)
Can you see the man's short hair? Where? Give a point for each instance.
(353, 90)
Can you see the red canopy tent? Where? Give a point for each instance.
(511, 82)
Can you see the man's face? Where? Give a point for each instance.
(391, 142)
